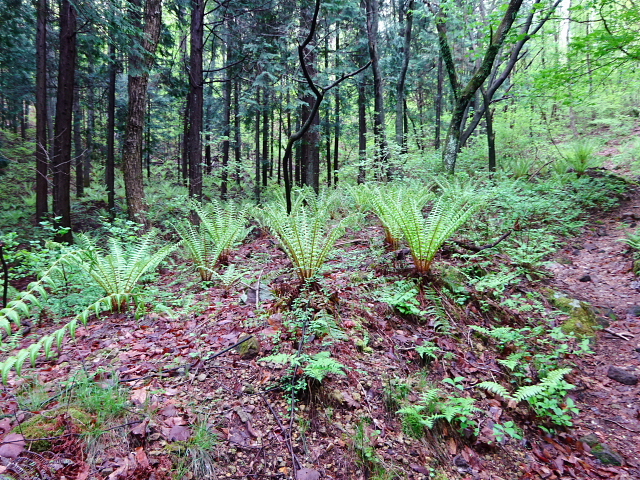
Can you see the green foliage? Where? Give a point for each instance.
(580, 156)
(221, 226)
(384, 201)
(507, 429)
(196, 456)
(107, 400)
(403, 297)
(317, 366)
(425, 236)
(547, 398)
(304, 234)
(120, 270)
(432, 407)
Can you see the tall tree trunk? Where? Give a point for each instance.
(111, 131)
(491, 136)
(438, 102)
(64, 113)
(237, 134)
(400, 100)
(382, 154)
(91, 126)
(226, 143)
(42, 184)
(463, 96)
(265, 137)
(256, 187)
(362, 130)
(196, 95)
(336, 126)
(139, 66)
(77, 142)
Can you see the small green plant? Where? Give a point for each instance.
(547, 398)
(316, 367)
(425, 236)
(403, 297)
(220, 228)
(120, 270)
(433, 407)
(197, 454)
(501, 431)
(580, 156)
(366, 455)
(428, 351)
(303, 234)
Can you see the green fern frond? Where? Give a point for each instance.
(119, 270)
(303, 236)
(528, 391)
(496, 388)
(441, 322)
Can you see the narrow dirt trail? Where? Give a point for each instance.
(597, 268)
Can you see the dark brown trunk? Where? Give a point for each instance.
(382, 154)
(196, 95)
(89, 133)
(42, 183)
(226, 143)
(438, 102)
(139, 66)
(77, 142)
(400, 101)
(362, 131)
(264, 160)
(237, 134)
(111, 131)
(256, 187)
(61, 166)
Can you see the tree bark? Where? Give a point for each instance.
(362, 131)
(91, 126)
(61, 166)
(42, 183)
(77, 142)
(382, 153)
(196, 96)
(111, 131)
(139, 66)
(400, 100)
(438, 102)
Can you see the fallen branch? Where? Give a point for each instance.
(476, 249)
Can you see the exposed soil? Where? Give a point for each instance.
(598, 267)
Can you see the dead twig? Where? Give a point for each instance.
(476, 249)
(623, 335)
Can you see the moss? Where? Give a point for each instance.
(48, 424)
(249, 349)
(583, 320)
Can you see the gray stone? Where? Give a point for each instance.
(634, 311)
(622, 376)
(585, 278)
(607, 455)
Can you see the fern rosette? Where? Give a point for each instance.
(304, 236)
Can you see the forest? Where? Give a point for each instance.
(306, 239)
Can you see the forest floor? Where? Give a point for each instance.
(190, 415)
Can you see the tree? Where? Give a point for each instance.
(196, 99)
(463, 94)
(140, 62)
(42, 163)
(61, 165)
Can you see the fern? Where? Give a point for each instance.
(441, 321)
(120, 270)
(303, 234)
(549, 383)
(385, 203)
(221, 227)
(425, 236)
(26, 300)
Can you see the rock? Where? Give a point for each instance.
(249, 349)
(622, 376)
(634, 311)
(602, 451)
(583, 319)
(607, 455)
(585, 278)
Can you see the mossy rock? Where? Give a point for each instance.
(583, 320)
(636, 267)
(248, 349)
(48, 424)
